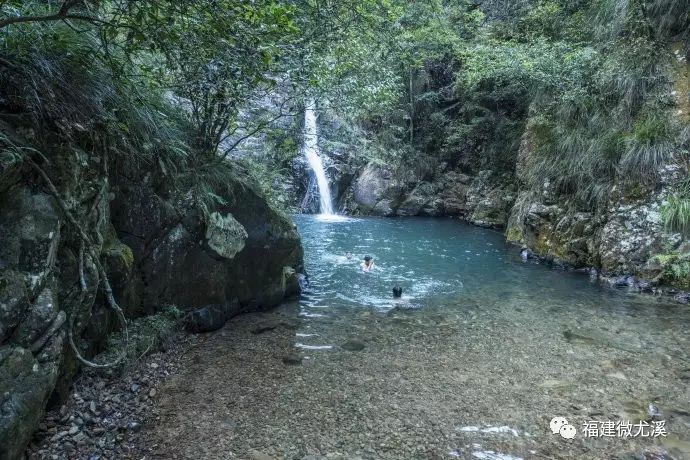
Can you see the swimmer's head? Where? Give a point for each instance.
(367, 259)
(397, 292)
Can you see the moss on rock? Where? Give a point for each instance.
(514, 234)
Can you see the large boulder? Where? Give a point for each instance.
(235, 254)
(489, 200)
(633, 232)
(376, 191)
(31, 320)
(454, 193)
(558, 232)
(159, 248)
(25, 384)
(423, 200)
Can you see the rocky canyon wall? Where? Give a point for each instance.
(157, 246)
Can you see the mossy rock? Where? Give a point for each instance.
(674, 269)
(515, 234)
(122, 252)
(116, 249)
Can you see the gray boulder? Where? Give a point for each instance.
(375, 191)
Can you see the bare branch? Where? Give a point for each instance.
(62, 15)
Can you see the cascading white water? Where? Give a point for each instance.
(311, 151)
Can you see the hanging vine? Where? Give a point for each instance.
(88, 249)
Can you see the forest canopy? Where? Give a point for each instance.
(455, 81)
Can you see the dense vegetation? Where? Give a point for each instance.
(157, 84)
(157, 105)
(591, 81)
(420, 84)
(593, 85)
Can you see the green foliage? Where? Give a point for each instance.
(591, 75)
(675, 268)
(427, 84)
(649, 146)
(146, 335)
(675, 213)
(270, 180)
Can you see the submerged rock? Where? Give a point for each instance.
(595, 337)
(256, 455)
(353, 345)
(292, 360)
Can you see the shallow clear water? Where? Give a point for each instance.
(496, 341)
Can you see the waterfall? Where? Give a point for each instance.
(311, 151)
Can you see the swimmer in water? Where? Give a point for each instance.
(348, 255)
(368, 264)
(400, 305)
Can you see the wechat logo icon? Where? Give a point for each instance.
(561, 426)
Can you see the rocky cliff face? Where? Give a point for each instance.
(484, 199)
(624, 240)
(158, 248)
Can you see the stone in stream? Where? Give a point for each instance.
(592, 336)
(353, 345)
(256, 455)
(263, 328)
(403, 306)
(292, 360)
